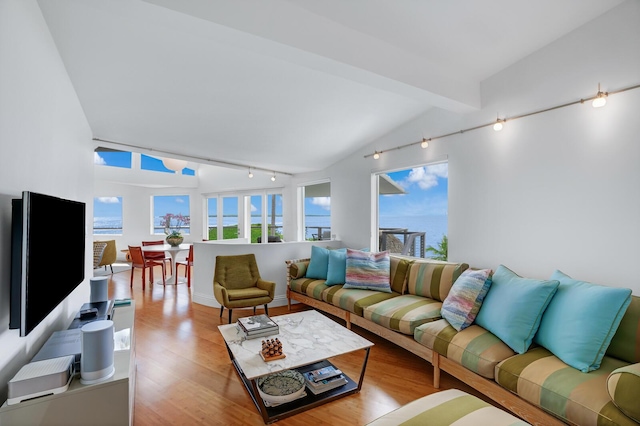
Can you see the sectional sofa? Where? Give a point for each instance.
(529, 380)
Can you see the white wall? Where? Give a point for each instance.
(45, 146)
(557, 190)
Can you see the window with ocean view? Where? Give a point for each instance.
(412, 211)
(175, 205)
(317, 211)
(107, 216)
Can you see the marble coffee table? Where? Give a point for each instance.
(308, 339)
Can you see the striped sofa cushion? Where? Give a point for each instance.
(575, 397)
(398, 273)
(433, 279)
(354, 300)
(310, 286)
(625, 344)
(474, 347)
(404, 313)
(623, 385)
(448, 407)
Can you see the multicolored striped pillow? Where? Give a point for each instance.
(463, 302)
(368, 271)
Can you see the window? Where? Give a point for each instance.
(113, 158)
(107, 216)
(154, 164)
(317, 211)
(254, 205)
(212, 218)
(176, 205)
(412, 211)
(274, 215)
(229, 218)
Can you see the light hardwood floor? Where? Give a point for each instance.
(184, 376)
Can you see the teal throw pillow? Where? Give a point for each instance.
(513, 307)
(337, 268)
(462, 304)
(368, 271)
(319, 263)
(581, 320)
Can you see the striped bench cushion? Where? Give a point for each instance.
(448, 407)
(310, 286)
(404, 313)
(433, 279)
(354, 300)
(474, 347)
(576, 397)
(623, 385)
(625, 344)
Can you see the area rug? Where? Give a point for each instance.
(117, 267)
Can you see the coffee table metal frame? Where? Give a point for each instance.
(247, 361)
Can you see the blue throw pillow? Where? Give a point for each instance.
(581, 320)
(513, 307)
(337, 268)
(319, 263)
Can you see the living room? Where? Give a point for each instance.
(556, 190)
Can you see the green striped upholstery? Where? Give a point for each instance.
(403, 313)
(433, 279)
(309, 286)
(623, 385)
(398, 273)
(474, 347)
(354, 300)
(446, 408)
(575, 397)
(625, 344)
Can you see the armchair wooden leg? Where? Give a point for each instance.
(266, 310)
(254, 310)
(221, 309)
(111, 266)
(230, 316)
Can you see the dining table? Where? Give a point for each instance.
(173, 252)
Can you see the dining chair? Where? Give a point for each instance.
(187, 263)
(138, 261)
(158, 256)
(109, 255)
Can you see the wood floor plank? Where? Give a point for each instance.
(185, 377)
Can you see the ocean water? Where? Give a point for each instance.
(434, 227)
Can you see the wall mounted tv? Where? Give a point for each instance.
(47, 256)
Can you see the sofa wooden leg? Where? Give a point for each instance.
(289, 299)
(347, 319)
(436, 369)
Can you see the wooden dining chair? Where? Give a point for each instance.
(158, 256)
(187, 263)
(138, 261)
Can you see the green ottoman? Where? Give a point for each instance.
(445, 408)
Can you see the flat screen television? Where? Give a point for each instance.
(47, 256)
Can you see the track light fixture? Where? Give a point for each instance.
(273, 178)
(250, 173)
(598, 101)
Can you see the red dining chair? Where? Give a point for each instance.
(187, 263)
(158, 256)
(138, 261)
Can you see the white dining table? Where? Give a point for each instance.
(173, 252)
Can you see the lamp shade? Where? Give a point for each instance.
(174, 164)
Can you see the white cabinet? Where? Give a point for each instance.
(106, 403)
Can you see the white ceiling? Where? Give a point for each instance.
(289, 85)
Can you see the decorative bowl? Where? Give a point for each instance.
(281, 387)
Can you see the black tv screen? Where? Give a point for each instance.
(47, 256)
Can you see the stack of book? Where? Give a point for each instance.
(257, 326)
(324, 379)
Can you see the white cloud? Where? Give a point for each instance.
(98, 160)
(324, 202)
(179, 200)
(253, 208)
(427, 177)
(109, 200)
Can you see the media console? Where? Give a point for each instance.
(106, 403)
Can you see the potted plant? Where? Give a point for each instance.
(172, 224)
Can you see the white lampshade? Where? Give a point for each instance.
(174, 164)
(600, 101)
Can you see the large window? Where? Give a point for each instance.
(107, 216)
(113, 158)
(412, 211)
(317, 211)
(175, 207)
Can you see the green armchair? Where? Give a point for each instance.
(237, 284)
